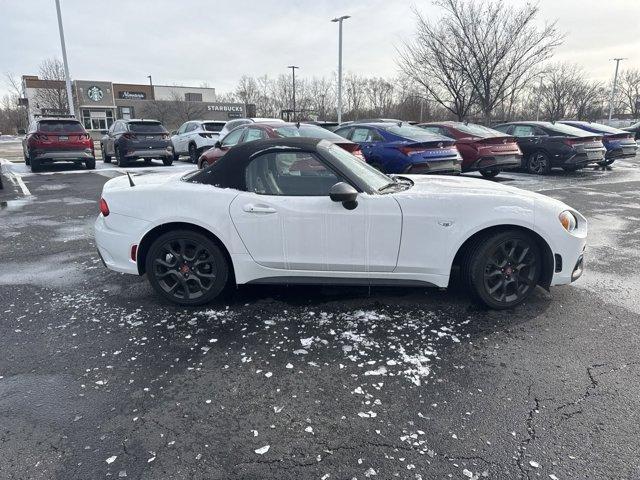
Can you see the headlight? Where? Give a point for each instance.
(568, 221)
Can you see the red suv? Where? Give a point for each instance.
(52, 140)
(482, 148)
(264, 130)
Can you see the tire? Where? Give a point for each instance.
(121, 162)
(186, 267)
(502, 269)
(489, 173)
(194, 153)
(147, 161)
(606, 163)
(105, 158)
(538, 163)
(167, 161)
(35, 165)
(90, 164)
(176, 155)
(571, 169)
(27, 160)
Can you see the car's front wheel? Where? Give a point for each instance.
(186, 267)
(193, 153)
(490, 173)
(502, 269)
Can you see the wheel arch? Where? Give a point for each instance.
(548, 261)
(151, 235)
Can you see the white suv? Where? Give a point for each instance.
(194, 137)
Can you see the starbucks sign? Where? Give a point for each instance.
(95, 93)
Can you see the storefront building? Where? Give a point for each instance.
(99, 103)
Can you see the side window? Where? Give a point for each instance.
(253, 134)
(540, 132)
(523, 131)
(192, 127)
(182, 128)
(289, 174)
(375, 136)
(113, 127)
(360, 134)
(232, 138)
(344, 132)
(432, 129)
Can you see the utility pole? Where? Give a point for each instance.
(339, 20)
(293, 72)
(613, 89)
(64, 61)
(153, 94)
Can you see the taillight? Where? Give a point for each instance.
(413, 150)
(165, 136)
(129, 136)
(104, 208)
(40, 137)
(572, 141)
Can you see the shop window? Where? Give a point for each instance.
(193, 97)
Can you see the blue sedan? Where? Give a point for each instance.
(619, 143)
(402, 148)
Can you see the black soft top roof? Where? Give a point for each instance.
(228, 171)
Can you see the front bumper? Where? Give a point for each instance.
(64, 155)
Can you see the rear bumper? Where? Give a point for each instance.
(498, 161)
(622, 151)
(150, 152)
(444, 165)
(114, 239)
(64, 155)
(582, 159)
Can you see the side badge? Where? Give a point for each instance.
(445, 223)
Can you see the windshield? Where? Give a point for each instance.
(375, 179)
(146, 127)
(212, 127)
(477, 130)
(410, 132)
(57, 126)
(310, 131)
(568, 130)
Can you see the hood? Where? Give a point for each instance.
(452, 185)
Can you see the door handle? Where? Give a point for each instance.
(251, 208)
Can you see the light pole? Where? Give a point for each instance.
(153, 94)
(64, 61)
(293, 72)
(339, 20)
(613, 89)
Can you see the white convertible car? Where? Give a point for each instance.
(305, 211)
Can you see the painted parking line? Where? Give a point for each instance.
(15, 179)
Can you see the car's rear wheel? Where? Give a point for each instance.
(539, 163)
(35, 165)
(606, 163)
(120, 161)
(90, 164)
(193, 153)
(503, 269)
(167, 161)
(105, 158)
(186, 267)
(489, 173)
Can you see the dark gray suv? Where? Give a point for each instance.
(133, 139)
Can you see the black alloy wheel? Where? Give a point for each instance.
(503, 269)
(186, 267)
(193, 153)
(539, 163)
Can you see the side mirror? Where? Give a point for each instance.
(345, 193)
(218, 144)
(22, 131)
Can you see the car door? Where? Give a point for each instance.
(178, 138)
(527, 138)
(109, 144)
(287, 220)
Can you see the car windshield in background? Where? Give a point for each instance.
(372, 177)
(478, 130)
(212, 127)
(568, 130)
(410, 132)
(146, 127)
(60, 127)
(310, 131)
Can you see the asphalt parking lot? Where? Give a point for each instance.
(100, 378)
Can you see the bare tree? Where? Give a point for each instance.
(557, 93)
(12, 116)
(53, 94)
(432, 60)
(501, 43)
(380, 95)
(354, 94)
(629, 88)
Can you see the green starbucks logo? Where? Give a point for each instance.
(95, 93)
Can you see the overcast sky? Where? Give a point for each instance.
(190, 42)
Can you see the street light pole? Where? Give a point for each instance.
(339, 20)
(613, 89)
(64, 61)
(153, 94)
(293, 72)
